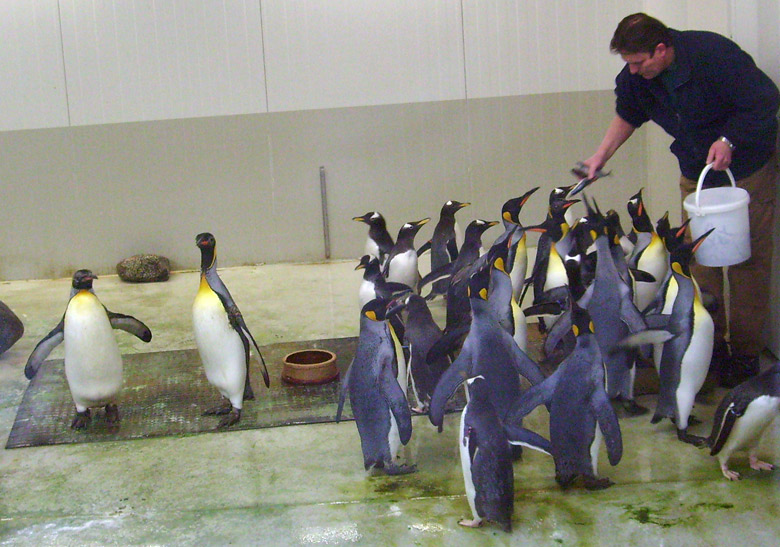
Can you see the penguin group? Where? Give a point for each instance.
(608, 302)
(93, 363)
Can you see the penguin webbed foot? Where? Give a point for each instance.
(473, 523)
(729, 474)
(229, 419)
(81, 420)
(112, 414)
(220, 410)
(695, 440)
(758, 465)
(594, 483)
(394, 469)
(633, 408)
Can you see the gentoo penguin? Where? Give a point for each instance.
(379, 242)
(374, 284)
(580, 411)
(742, 417)
(614, 315)
(420, 333)
(648, 255)
(446, 241)
(93, 364)
(378, 402)
(401, 265)
(517, 262)
(222, 337)
(489, 351)
(687, 337)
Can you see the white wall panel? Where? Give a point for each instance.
(32, 84)
(520, 47)
(326, 54)
(143, 60)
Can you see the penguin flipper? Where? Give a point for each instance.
(237, 321)
(643, 338)
(439, 273)
(525, 437)
(608, 423)
(724, 420)
(424, 248)
(631, 316)
(43, 349)
(452, 378)
(524, 365)
(557, 332)
(534, 396)
(452, 249)
(130, 324)
(343, 388)
(446, 344)
(396, 400)
(642, 276)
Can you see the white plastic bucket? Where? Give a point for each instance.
(726, 210)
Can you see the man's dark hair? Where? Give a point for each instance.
(639, 33)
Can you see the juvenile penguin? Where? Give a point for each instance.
(580, 411)
(420, 333)
(379, 242)
(222, 337)
(401, 265)
(446, 241)
(378, 402)
(93, 364)
(742, 417)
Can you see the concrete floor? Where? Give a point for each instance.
(306, 484)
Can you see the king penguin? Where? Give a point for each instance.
(648, 255)
(93, 364)
(580, 411)
(379, 242)
(517, 262)
(222, 337)
(742, 417)
(378, 401)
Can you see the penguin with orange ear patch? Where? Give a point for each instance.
(222, 337)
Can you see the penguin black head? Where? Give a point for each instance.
(555, 224)
(82, 280)
(498, 256)
(208, 250)
(372, 218)
(675, 236)
(581, 323)
(680, 258)
(410, 229)
(639, 216)
(452, 206)
(477, 227)
(376, 309)
(615, 230)
(364, 261)
(479, 282)
(560, 193)
(663, 228)
(510, 211)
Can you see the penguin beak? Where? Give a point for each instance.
(421, 222)
(700, 240)
(682, 228)
(462, 205)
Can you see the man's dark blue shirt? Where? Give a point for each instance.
(716, 90)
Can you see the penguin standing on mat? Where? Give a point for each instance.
(222, 337)
(93, 364)
(378, 401)
(742, 417)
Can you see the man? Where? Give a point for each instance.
(708, 94)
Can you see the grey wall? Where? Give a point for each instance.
(89, 196)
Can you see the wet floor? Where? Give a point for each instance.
(305, 484)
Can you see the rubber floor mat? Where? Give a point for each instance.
(165, 393)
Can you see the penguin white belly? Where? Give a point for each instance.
(671, 295)
(465, 464)
(747, 430)
(393, 437)
(366, 292)
(556, 272)
(594, 450)
(521, 326)
(403, 269)
(219, 345)
(93, 364)
(519, 269)
(411, 379)
(695, 363)
(655, 261)
(372, 249)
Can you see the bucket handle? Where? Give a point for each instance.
(704, 174)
